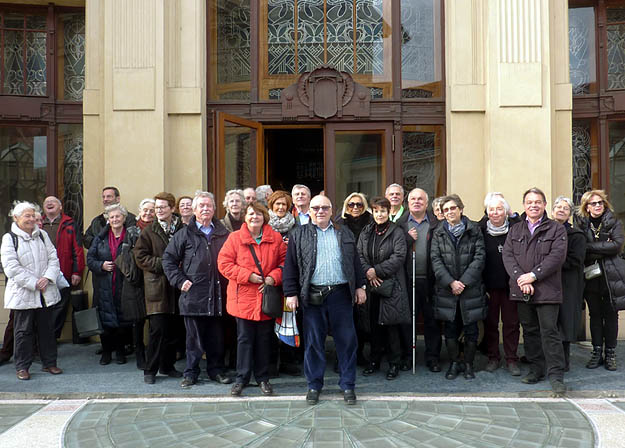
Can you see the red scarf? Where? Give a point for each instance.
(114, 244)
(142, 224)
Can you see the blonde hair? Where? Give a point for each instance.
(348, 198)
(583, 206)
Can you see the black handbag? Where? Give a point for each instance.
(272, 304)
(385, 290)
(88, 322)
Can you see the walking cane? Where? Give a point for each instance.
(414, 338)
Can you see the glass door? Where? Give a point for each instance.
(359, 157)
(239, 155)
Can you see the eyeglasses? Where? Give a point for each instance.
(355, 204)
(451, 208)
(324, 208)
(161, 208)
(596, 203)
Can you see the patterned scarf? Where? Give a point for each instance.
(281, 225)
(497, 231)
(170, 228)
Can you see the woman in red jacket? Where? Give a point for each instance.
(245, 292)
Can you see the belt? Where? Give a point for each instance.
(326, 289)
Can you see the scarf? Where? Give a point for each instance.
(457, 230)
(281, 225)
(114, 244)
(235, 223)
(170, 228)
(357, 224)
(497, 231)
(142, 224)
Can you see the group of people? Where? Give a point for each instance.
(362, 274)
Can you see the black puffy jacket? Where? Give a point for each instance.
(301, 258)
(606, 249)
(190, 256)
(463, 261)
(392, 252)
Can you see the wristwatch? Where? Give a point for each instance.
(364, 287)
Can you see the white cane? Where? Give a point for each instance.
(414, 338)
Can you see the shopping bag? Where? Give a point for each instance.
(88, 322)
(286, 328)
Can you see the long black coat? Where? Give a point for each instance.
(570, 316)
(191, 256)
(463, 261)
(133, 301)
(109, 304)
(392, 252)
(607, 250)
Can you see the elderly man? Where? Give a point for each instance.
(301, 203)
(395, 194)
(160, 296)
(262, 193)
(63, 233)
(190, 263)
(419, 224)
(533, 255)
(250, 195)
(110, 195)
(323, 274)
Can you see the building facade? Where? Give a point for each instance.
(463, 96)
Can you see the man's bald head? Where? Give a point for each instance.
(321, 211)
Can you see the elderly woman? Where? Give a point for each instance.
(133, 299)
(605, 289)
(355, 214)
(495, 230)
(382, 251)
(280, 218)
(184, 209)
(458, 257)
(31, 265)
(233, 203)
(436, 208)
(570, 315)
(108, 283)
(236, 262)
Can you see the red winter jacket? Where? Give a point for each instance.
(235, 262)
(71, 255)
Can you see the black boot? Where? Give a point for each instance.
(610, 358)
(566, 346)
(595, 357)
(371, 369)
(470, 348)
(455, 366)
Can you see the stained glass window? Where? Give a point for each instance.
(582, 180)
(23, 54)
(582, 66)
(230, 31)
(353, 36)
(421, 70)
(617, 167)
(71, 56)
(422, 159)
(616, 48)
(70, 150)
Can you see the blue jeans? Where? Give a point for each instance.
(335, 313)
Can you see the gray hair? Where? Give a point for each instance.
(19, 207)
(232, 193)
(113, 207)
(144, 202)
(262, 192)
(299, 187)
(427, 197)
(565, 199)
(492, 199)
(57, 200)
(202, 194)
(403, 193)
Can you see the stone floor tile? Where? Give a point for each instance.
(11, 415)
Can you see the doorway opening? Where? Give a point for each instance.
(294, 156)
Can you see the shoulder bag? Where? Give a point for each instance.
(272, 295)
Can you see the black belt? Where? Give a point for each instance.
(326, 289)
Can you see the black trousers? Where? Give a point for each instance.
(603, 320)
(113, 340)
(541, 339)
(59, 312)
(204, 335)
(161, 349)
(28, 325)
(431, 327)
(383, 335)
(453, 329)
(253, 349)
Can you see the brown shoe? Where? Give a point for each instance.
(23, 375)
(54, 370)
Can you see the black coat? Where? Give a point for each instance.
(463, 261)
(109, 304)
(392, 252)
(570, 316)
(133, 298)
(191, 256)
(301, 259)
(607, 250)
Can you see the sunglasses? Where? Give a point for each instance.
(355, 204)
(450, 208)
(595, 203)
(324, 208)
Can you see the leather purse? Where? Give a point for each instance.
(272, 304)
(592, 271)
(385, 290)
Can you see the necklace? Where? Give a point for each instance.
(379, 231)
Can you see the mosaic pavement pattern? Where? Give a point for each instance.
(330, 424)
(12, 415)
